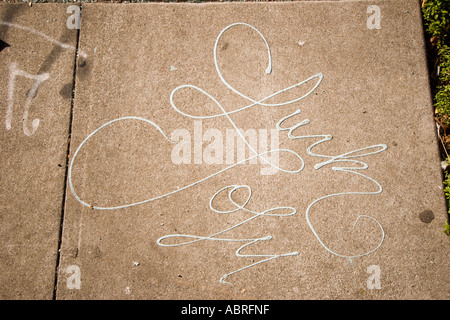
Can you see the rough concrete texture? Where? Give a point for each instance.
(373, 100)
(36, 83)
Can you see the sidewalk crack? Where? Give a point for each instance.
(63, 205)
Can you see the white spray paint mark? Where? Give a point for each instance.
(269, 212)
(14, 71)
(43, 35)
(345, 157)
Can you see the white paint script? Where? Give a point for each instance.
(329, 159)
(43, 35)
(14, 71)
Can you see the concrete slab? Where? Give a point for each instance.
(36, 90)
(150, 219)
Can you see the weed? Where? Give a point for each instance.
(436, 17)
(446, 228)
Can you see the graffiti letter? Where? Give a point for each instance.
(14, 71)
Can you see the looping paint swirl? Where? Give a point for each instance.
(348, 157)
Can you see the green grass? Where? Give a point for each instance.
(436, 16)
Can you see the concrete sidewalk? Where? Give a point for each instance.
(136, 185)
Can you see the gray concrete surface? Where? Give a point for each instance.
(36, 83)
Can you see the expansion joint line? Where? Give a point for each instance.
(69, 138)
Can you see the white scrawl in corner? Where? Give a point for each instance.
(14, 71)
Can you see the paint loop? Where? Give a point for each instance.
(349, 161)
